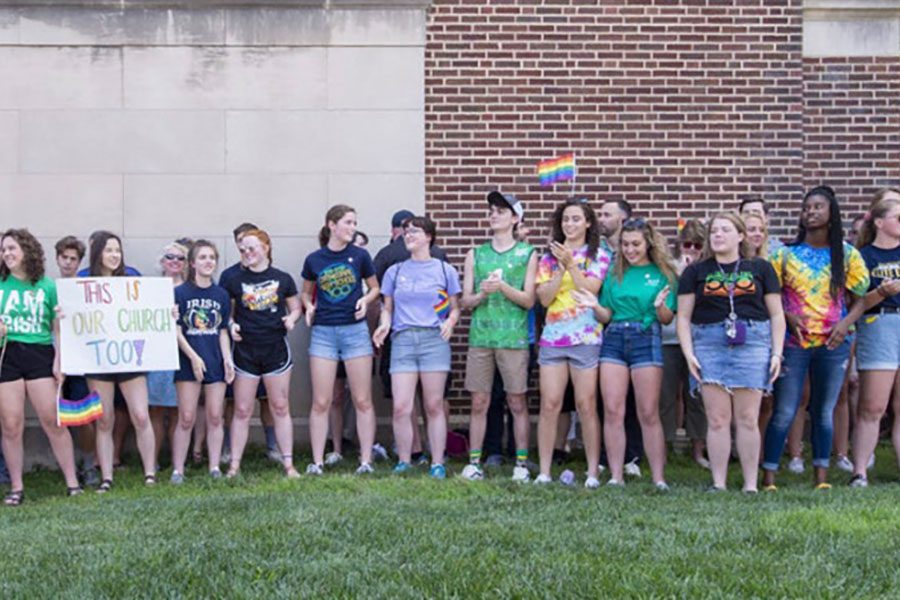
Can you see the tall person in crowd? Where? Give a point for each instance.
(571, 338)
(498, 287)
(636, 298)
(821, 276)
(340, 332)
(265, 307)
(29, 361)
(731, 327)
(878, 343)
(107, 259)
(70, 252)
(205, 362)
(161, 384)
(420, 310)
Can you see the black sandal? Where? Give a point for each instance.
(149, 479)
(15, 498)
(74, 491)
(104, 486)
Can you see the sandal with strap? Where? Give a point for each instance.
(149, 479)
(74, 491)
(14, 498)
(104, 486)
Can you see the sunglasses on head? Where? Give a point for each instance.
(173, 257)
(695, 245)
(636, 223)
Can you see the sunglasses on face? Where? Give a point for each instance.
(690, 245)
(177, 257)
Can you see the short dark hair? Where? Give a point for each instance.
(753, 200)
(624, 206)
(70, 242)
(423, 223)
(242, 229)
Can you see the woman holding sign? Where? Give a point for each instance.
(731, 327)
(107, 260)
(204, 310)
(266, 306)
(29, 363)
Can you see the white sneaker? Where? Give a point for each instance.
(632, 469)
(472, 472)
(795, 466)
(521, 474)
(379, 453)
(313, 469)
(591, 483)
(843, 463)
(364, 469)
(615, 483)
(333, 458)
(661, 486)
(542, 479)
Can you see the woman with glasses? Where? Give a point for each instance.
(337, 316)
(265, 307)
(570, 340)
(635, 300)
(675, 389)
(421, 308)
(161, 384)
(731, 327)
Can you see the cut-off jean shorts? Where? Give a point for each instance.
(733, 367)
(632, 345)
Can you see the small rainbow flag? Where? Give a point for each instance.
(558, 169)
(72, 413)
(442, 308)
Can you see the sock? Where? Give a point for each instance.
(521, 456)
(270, 438)
(475, 456)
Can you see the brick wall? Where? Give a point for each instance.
(681, 108)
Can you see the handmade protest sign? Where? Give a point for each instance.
(117, 325)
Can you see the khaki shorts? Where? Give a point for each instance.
(512, 364)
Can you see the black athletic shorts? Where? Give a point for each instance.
(26, 361)
(258, 360)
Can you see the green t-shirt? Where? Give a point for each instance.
(28, 310)
(632, 298)
(499, 322)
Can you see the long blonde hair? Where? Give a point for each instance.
(657, 249)
(744, 250)
(763, 250)
(879, 209)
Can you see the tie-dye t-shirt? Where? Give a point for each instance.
(565, 324)
(805, 276)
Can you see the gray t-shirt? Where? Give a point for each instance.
(421, 291)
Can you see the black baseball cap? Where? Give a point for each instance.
(507, 201)
(400, 217)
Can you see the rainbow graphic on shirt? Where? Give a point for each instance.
(805, 276)
(442, 308)
(73, 413)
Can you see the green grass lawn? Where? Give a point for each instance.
(385, 536)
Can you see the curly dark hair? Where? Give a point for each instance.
(592, 236)
(32, 251)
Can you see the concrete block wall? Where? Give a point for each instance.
(159, 120)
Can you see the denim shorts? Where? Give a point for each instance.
(878, 342)
(580, 357)
(733, 367)
(419, 350)
(340, 342)
(632, 345)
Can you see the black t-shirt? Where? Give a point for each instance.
(396, 252)
(259, 303)
(882, 264)
(709, 282)
(229, 273)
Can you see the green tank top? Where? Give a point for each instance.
(499, 322)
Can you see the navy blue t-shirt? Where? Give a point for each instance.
(882, 264)
(129, 272)
(203, 314)
(338, 277)
(259, 303)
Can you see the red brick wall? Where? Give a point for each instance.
(681, 108)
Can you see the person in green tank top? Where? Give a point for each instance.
(498, 287)
(29, 363)
(636, 298)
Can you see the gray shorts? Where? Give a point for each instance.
(579, 357)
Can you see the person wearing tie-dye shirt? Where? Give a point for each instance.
(821, 277)
(570, 341)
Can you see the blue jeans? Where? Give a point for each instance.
(826, 369)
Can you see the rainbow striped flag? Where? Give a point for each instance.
(558, 169)
(72, 413)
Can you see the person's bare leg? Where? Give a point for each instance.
(746, 421)
(244, 388)
(647, 382)
(585, 383)
(433, 399)
(278, 390)
(359, 376)
(717, 403)
(553, 381)
(614, 381)
(403, 389)
(322, 372)
(12, 423)
(105, 426)
(214, 397)
(188, 397)
(135, 392)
